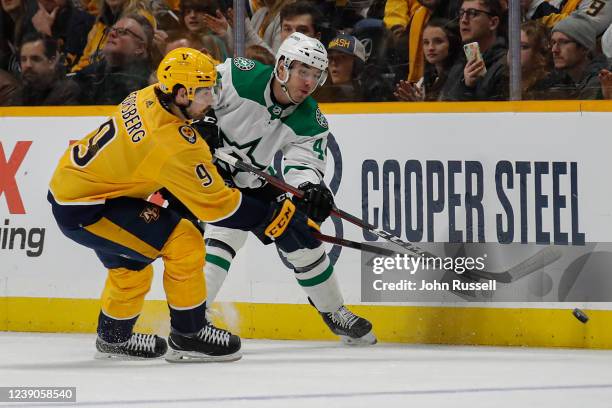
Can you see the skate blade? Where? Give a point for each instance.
(121, 357)
(177, 356)
(368, 339)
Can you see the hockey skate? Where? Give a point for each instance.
(352, 329)
(138, 347)
(210, 344)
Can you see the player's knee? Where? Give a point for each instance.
(235, 239)
(303, 258)
(184, 247)
(122, 280)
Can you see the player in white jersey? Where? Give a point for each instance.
(263, 110)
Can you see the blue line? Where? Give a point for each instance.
(335, 395)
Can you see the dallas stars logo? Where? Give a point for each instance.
(244, 64)
(321, 119)
(240, 151)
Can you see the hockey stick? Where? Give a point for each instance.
(534, 263)
(355, 245)
(538, 261)
(276, 182)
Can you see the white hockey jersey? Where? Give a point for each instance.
(254, 128)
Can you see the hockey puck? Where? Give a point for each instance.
(580, 315)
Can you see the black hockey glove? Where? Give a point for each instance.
(317, 202)
(207, 128)
(289, 228)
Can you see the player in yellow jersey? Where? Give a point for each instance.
(98, 196)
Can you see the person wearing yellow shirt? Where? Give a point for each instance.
(98, 194)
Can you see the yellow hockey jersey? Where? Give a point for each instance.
(140, 149)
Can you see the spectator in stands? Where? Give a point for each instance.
(475, 79)
(398, 14)
(176, 39)
(536, 9)
(605, 75)
(379, 74)
(221, 24)
(442, 47)
(8, 87)
(196, 16)
(346, 55)
(572, 45)
(259, 53)
(180, 38)
(536, 60)
(427, 9)
(110, 12)
(12, 21)
(342, 15)
(302, 17)
(606, 43)
(64, 22)
(126, 65)
(598, 12)
(266, 23)
(605, 78)
(43, 74)
(166, 13)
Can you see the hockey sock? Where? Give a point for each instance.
(219, 258)
(113, 330)
(320, 284)
(188, 321)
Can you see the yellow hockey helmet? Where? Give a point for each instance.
(187, 67)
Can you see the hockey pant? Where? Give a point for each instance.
(131, 234)
(312, 267)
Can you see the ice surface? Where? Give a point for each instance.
(300, 374)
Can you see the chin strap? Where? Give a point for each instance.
(286, 91)
(283, 84)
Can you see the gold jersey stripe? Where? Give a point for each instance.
(105, 228)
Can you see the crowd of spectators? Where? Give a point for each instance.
(95, 52)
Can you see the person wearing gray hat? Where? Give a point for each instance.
(579, 29)
(572, 45)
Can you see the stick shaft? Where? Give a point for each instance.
(532, 264)
(276, 182)
(352, 244)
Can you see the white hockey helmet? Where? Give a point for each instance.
(300, 47)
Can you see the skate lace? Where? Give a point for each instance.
(141, 342)
(343, 317)
(213, 335)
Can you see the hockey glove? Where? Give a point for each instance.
(289, 228)
(317, 202)
(207, 128)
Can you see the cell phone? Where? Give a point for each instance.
(472, 52)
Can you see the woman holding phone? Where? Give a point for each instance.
(441, 46)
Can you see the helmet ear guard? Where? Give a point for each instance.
(286, 64)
